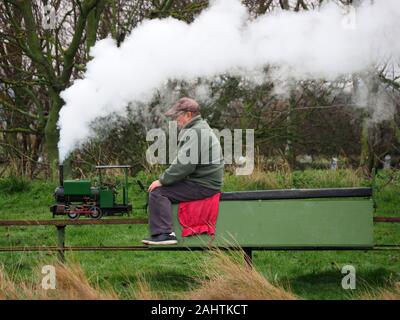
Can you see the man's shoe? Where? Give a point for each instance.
(164, 238)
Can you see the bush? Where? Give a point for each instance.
(258, 180)
(342, 178)
(266, 180)
(14, 184)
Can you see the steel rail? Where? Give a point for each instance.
(188, 248)
(386, 219)
(71, 222)
(115, 222)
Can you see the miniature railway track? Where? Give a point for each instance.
(171, 248)
(55, 222)
(61, 248)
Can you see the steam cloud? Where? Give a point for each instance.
(224, 39)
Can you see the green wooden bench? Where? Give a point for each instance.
(290, 219)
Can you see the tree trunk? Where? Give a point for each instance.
(284, 4)
(52, 134)
(93, 20)
(368, 160)
(289, 152)
(365, 157)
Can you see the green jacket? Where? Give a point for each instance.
(191, 162)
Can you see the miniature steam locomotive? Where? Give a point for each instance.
(78, 197)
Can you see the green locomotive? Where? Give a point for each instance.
(79, 197)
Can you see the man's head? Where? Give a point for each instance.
(183, 111)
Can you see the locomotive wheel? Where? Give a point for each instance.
(73, 215)
(95, 213)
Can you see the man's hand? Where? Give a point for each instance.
(154, 184)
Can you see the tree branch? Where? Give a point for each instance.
(18, 130)
(70, 53)
(35, 51)
(390, 82)
(15, 108)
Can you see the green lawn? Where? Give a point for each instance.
(310, 275)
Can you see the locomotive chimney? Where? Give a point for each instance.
(61, 174)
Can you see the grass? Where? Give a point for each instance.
(392, 293)
(171, 275)
(14, 184)
(71, 284)
(228, 277)
(235, 280)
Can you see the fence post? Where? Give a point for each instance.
(61, 242)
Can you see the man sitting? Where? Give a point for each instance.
(185, 181)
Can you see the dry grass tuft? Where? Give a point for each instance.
(384, 294)
(227, 276)
(8, 289)
(71, 284)
(143, 290)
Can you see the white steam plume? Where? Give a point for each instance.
(224, 40)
